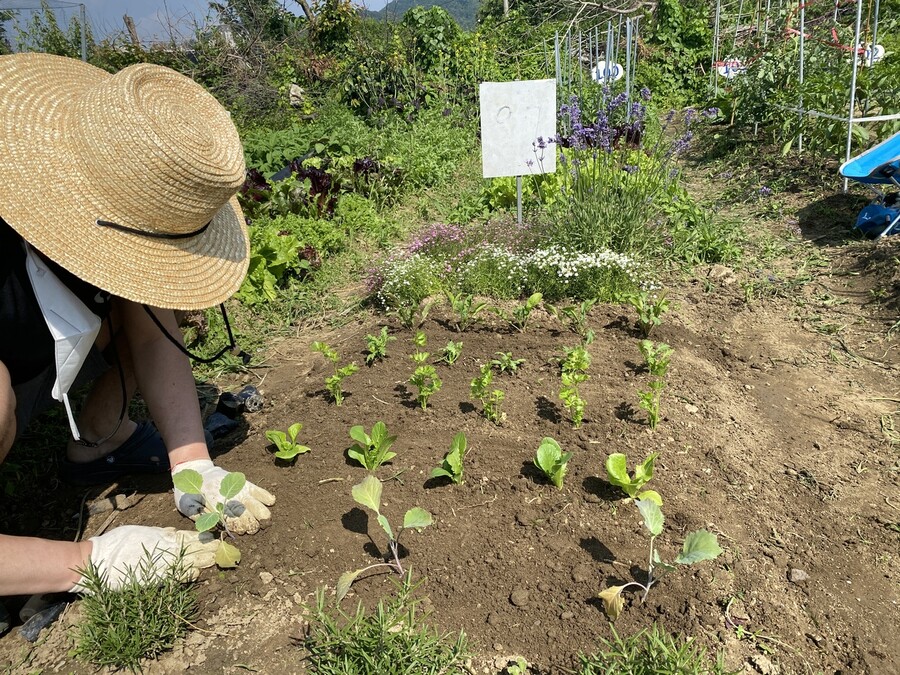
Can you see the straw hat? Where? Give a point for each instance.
(126, 180)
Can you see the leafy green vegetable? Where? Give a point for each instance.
(286, 444)
(452, 466)
(371, 451)
(551, 461)
(617, 474)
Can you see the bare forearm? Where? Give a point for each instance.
(7, 412)
(30, 565)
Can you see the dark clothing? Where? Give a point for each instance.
(26, 346)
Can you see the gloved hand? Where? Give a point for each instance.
(149, 552)
(244, 513)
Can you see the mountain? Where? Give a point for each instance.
(463, 11)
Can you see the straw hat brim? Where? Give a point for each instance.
(43, 198)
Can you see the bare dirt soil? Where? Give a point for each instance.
(777, 434)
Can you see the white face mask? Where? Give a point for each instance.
(73, 327)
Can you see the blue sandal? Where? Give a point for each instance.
(143, 453)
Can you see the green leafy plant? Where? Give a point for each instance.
(419, 340)
(452, 466)
(413, 315)
(190, 482)
(334, 383)
(551, 461)
(493, 406)
(286, 445)
(521, 313)
(505, 363)
(450, 353)
(368, 494)
(371, 451)
(574, 364)
(617, 474)
(425, 379)
(698, 546)
(376, 345)
(657, 356)
(519, 666)
(491, 401)
(466, 309)
(576, 317)
(649, 310)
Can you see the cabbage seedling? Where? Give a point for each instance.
(286, 444)
(452, 466)
(376, 346)
(425, 379)
(333, 383)
(451, 352)
(698, 545)
(551, 461)
(371, 451)
(190, 482)
(617, 474)
(368, 494)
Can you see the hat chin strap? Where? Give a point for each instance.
(155, 235)
(232, 345)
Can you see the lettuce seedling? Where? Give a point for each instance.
(368, 494)
(376, 346)
(452, 466)
(698, 545)
(466, 309)
(505, 363)
(286, 444)
(617, 474)
(334, 383)
(190, 482)
(425, 379)
(451, 352)
(371, 451)
(551, 461)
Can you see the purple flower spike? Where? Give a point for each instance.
(645, 93)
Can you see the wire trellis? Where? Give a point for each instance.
(25, 6)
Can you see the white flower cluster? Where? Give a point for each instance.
(501, 263)
(402, 275)
(568, 265)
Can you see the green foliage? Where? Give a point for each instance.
(452, 466)
(466, 309)
(335, 22)
(650, 652)
(451, 352)
(493, 406)
(551, 461)
(574, 373)
(521, 313)
(121, 628)
(364, 643)
(576, 317)
(657, 357)
(42, 33)
(334, 382)
(425, 379)
(190, 482)
(649, 310)
(376, 345)
(371, 451)
(617, 474)
(433, 33)
(491, 401)
(273, 259)
(286, 445)
(505, 363)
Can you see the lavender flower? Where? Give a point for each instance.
(765, 191)
(689, 116)
(711, 113)
(645, 93)
(630, 168)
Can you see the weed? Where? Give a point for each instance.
(505, 363)
(371, 451)
(376, 346)
(451, 352)
(648, 310)
(452, 466)
(334, 383)
(617, 474)
(551, 461)
(286, 444)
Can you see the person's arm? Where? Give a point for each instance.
(7, 412)
(29, 565)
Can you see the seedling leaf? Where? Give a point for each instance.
(643, 472)
(386, 526)
(232, 484)
(207, 521)
(699, 545)
(188, 481)
(547, 455)
(368, 493)
(379, 433)
(227, 555)
(417, 518)
(358, 434)
(278, 438)
(294, 429)
(343, 585)
(652, 495)
(617, 472)
(613, 602)
(652, 515)
(438, 472)
(291, 451)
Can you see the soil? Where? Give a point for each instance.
(777, 434)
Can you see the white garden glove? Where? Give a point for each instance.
(148, 554)
(244, 513)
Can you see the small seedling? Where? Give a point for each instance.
(657, 357)
(414, 315)
(574, 364)
(551, 461)
(286, 444)
(376, 346)
(368, 494)
(518, 667)
(493, 407)
(466, 309)
(425, 379)
(452, 466)
(451, 352)
(190, 482)
(505, 363)
(521, 313)
(649, 310)
(576, 317)
(420, 340)
(698, 546)
(617, 474)
(334, 383)
(371, 451)
(491, 401)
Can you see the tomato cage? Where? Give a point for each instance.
(20, 14)
(819, 64)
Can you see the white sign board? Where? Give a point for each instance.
(513, 116)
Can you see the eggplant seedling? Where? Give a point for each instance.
(368, 494)
(286, 445)
(190, 482)
(551, 461)
(698, 546)
(617, 474)
(452, 466)
(371, 451)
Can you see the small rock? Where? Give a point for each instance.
(498, 647)
(797, 576)
(493, 619)
(544, 587)
(692, 409)
(295, 95)
(523, 518)
(265, 577)
(565, 616)
(519, 597)
(591, 498)
(764, 665)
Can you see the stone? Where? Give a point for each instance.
(266, 578)
(295, 95)
(797, 576)
(692, 409)
(565, 616)
(493, 619)
(519, 597)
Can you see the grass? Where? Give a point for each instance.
(120, 628)
(390, 639)
(651, 652)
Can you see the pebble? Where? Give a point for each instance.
(498, 647)
(692, 409)
(565, 616)
(493, 619)
(797, 576)
(519, 597)
(265, 577)
(544, 587)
